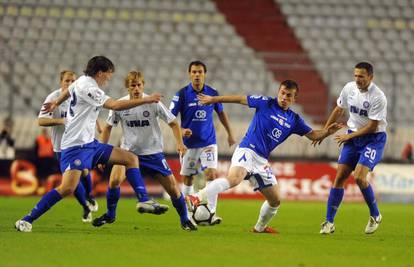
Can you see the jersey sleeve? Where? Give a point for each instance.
(93, 95)
(113, 118)
(378, 111)
(256, 101)
(49, 115)
(301, 127)
(165, 114)
(175, 105)
(342, 99)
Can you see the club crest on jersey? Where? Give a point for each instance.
(365, 104)
(360, 112)
(146, 113)
(77, 162)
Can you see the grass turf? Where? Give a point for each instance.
(59, 238)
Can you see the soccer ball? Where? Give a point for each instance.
(202, 215)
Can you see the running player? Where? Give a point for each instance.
(80, 150)
(198, 131)
(142, 136)
(56, 120)
(363, 144)
(272, 124)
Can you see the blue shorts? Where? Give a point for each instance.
(153, 164)
(366, 150)
(85, 156)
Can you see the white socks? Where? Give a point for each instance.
(188, 190)
(211, 191)
(266, 214)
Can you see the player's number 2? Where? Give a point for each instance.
(72, 104)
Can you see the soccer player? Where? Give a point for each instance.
(56, 120)
(198, 131)
(142, 136)
(363, 144)
(80, 150)
(272, 124)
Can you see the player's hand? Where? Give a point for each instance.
(205, 99)
(101, 167)
(334, 127)
(48, 107)
(317, 142)
(342, 138)
(187, 132)
(181, 149)
(230, 140)
(154, 98)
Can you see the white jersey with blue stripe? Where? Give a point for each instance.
(60, 113)
(86, 100)
(271, 125)
(141, 130)
(364, 106)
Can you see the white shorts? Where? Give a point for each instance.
(260, 174)
(207, 156)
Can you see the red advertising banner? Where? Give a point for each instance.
(308, 181)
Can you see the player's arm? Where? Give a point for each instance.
(106, 133)
(371, 127)
(47, 122)
(317, 135)
(50, 107)
(207, 99)
(176, 129)
(337, 113)
(224, 119)
(127, 104)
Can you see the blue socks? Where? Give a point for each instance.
(369, 197)
(179, 205)
(80, 195)
(45, 203)
(134, 178)
(112, 197)
(87, 184)
(334, 200)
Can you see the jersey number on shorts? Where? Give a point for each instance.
(210, 156)
(72, 104)
(370, 153)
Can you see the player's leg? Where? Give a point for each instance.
(208, 160)
(336, 195)
(177, 198)
(70, 180)
(268, 210)
(189, 167)
(86, 181)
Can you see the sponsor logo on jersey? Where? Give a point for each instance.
(360, 112)
(276, 133)
(192, 104)
(200, 114)
(137, 123)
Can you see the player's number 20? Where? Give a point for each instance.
(370, 153)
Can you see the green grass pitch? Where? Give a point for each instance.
(60, 239)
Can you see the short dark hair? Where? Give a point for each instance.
(97, 64)
(366, 66)
(197, 63)
(290, 84)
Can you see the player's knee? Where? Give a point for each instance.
(275, 203)
(65, 191)
(115, 182)
(361, 181)
(131, 160)
(210, 174)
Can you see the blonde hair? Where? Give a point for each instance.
(133, 76)
(63, 72)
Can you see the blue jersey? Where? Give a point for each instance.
(271, 125)
(195, 116)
